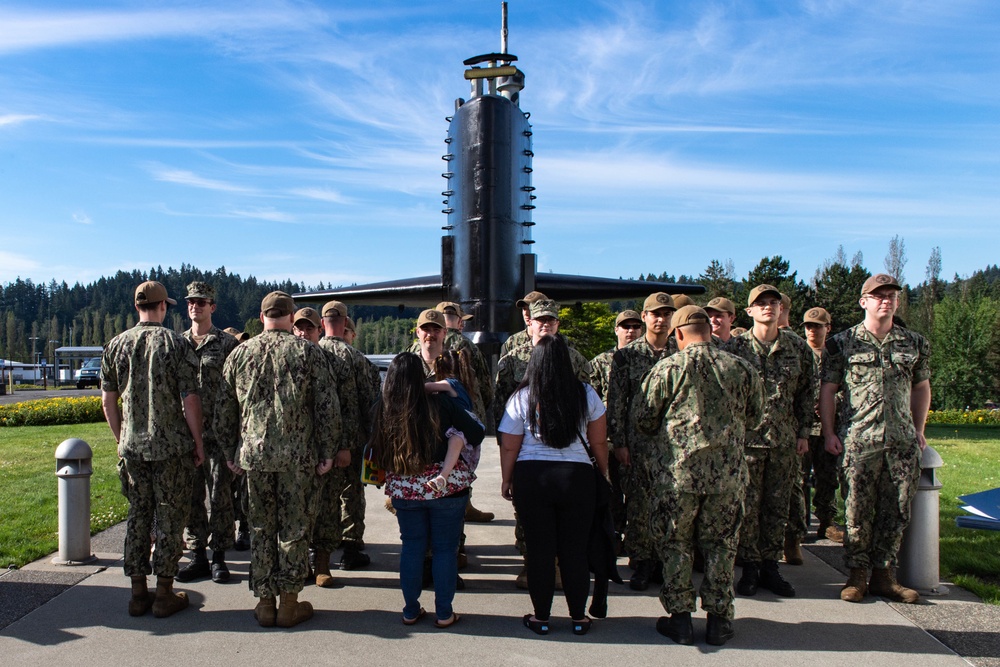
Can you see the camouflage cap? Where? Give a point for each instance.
(544, 308)
(879, 280)
(737, 331)
(529, 299)
(681, 300)
(786, 302)
(152, 292)
(816, 316)
(687, 316)
(626, 315)
(308, 314)
(759, 290)
(349, 325)
(237, 334)
(277, 304)
(431, 317)
(656, 301)
(200, 290)
(721, 304)
(334, 309)
(452, 308)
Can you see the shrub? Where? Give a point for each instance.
(965, 417)
(52, 412)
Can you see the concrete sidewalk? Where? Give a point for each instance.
(359, 622)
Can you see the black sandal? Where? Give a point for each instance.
(582, 627)
(536, 626)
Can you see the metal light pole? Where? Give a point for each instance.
(34, 355)
(52, 356)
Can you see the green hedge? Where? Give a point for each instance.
(52, 412)
(964, 417)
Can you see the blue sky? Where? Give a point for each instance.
(303, 140)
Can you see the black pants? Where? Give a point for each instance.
(555, 501)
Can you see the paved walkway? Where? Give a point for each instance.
(79, 617)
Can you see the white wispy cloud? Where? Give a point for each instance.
(188, 178)
(17, 119)
(82, 218)
(321, 194)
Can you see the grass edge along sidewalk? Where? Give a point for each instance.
(29, 516)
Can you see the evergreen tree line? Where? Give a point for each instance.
(42, 317)
(961, 317)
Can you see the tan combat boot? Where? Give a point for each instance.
(834, 533)
(167, 603)
(884, 585)
(793, 550)
(292, 612)
(322, 569)
(141, 599)
(473, 515)
(266, 612)
(856, 587)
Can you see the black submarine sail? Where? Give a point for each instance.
(486, 259)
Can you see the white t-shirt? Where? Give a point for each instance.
(515, 422)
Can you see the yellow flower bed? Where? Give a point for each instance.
(52, 411)
(968, 417)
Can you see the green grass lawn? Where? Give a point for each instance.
(971, 454)
(29, 521)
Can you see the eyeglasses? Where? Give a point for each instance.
(888, 297)
(201, 303)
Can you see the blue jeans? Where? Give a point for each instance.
(439, 522)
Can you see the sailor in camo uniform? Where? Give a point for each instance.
(324, 499)
(628, 367)
(786, 367)
(884, 372)
(158, 430)
(628, 328)
(281, 392)
(352, 495)
(696, 406)
(213, 527)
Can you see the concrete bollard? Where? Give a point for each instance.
(919, 554)
(74, 466)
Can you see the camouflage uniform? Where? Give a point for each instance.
(600, 373)
(823, 466)
(325, 525)
(787, 371)
(628, 367)
(697, 464)
(881, 460)
(211, 529)
(350, 492)
(282, 393)
(515, 340)
(152, 368)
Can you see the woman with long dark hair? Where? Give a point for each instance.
(546, 429)
(411, 435)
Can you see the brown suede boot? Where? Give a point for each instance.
(167, 603)
(884, 585)
(856, 587)
(266, 612)
(473, 515)
(141, 599)
(834, 534)
(793, 550)
(322, 569)
(292, 612)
